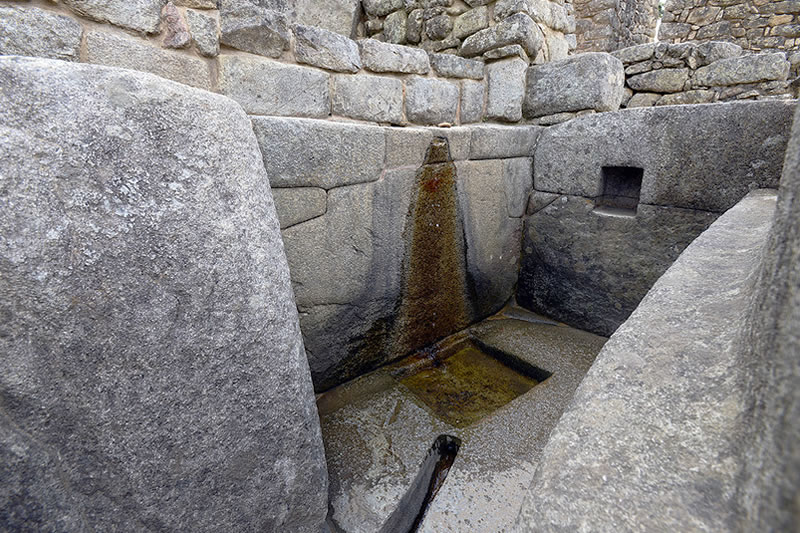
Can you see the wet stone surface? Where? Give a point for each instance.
(378, 428)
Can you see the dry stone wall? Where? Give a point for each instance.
(752, 24)
(544, 30)
(608, 25)
(700, 73)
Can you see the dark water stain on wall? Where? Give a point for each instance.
(434, 302)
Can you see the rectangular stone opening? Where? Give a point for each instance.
(621, 189)
(465, 381)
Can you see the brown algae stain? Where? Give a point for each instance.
(461, 384)
(434, 302)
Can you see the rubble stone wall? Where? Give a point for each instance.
(608, 25)
(701, 73)
(752, 24)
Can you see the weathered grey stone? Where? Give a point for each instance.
(205, 32)
(247, 26)
(385, 57)
(500, 142)
(744, 69)
(414, 26)
(492, 237)
(512, 50)
(296, 205)
(506, 80)
(538, 200)
(555, 44)
(712, 51)
(471, 22)
(635, 54)
(395, 27)
(452, 66)
(518, 180)
(768, 359)
(668, 80)
(151, 348)
(325, 49)
(197, 4)
(381, 8)
(644, 100)
(688, 97)
(431, 101)
(176, 30)
(438, 27)
(347, 269)
(544, 12)
(340, 16)
(575, 259)
(115, 50)
(407, 146)
(264, 87)
(137, 15)
(365, 97)
(315, 153)
(585, 81)
(517, 29)
(450, 44)
(709, 156)
(29, 31)
(643, 388)
(472, 96)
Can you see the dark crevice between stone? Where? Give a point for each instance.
(410, 512)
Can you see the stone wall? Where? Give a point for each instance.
(608, 25)
(752, 24)
(545, 30)
(699, 73)
(617, 196)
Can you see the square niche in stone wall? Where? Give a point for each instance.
(621, 189)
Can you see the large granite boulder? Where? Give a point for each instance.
(153, 376)
(652, 439)
(769, 361)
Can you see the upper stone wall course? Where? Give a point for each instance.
(137, 15)
(385, 57)
(30, 31)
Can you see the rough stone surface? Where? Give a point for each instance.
(315, 153)
(126, 52)
(599, 465)
(152, 353)
(365, 97)
(407, 146)
(586, 81)
(500, 142)
(708, 156)
(452, 66)
(381, 8)
(635, 54)
(395, 27)
(247, 26)
(470, 22)
(340, 16)
(264, 87)
(712, 51)
(643, 100)
(517, 29)
(176, 30)
(438, 27)
(575, 259)
(325, 49)
(137, 15)
(385, 57)
(768, 359)
(198, 4)
(28, 31)
(296, 205)
(492, 237)
(205, 32)
(472, 96)
(431, 101)
(688, 97)
(506, 81)
(346, 269)
(668, 80)
(506, 51)
(744, 69)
